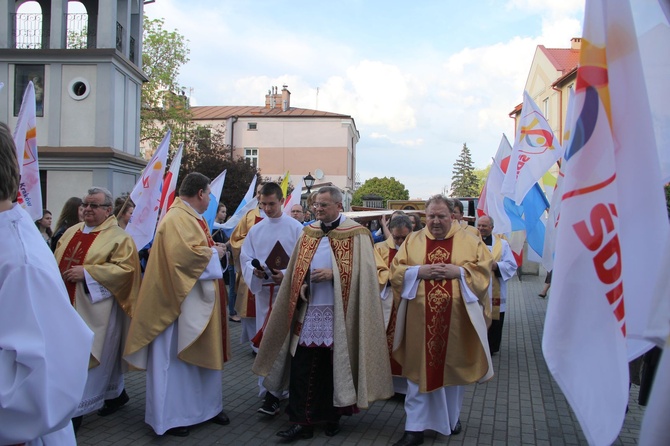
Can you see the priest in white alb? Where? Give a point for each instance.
(441, 276)
(101, 271)
(44, 344)
(179, 334)
(264, 257)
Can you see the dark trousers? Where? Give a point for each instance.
(495, 333)
(311, 387)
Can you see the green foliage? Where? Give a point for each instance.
(388, 188)
(164, 103)
(481, 175)
(206, 152)
(77, 40)
(464, 182)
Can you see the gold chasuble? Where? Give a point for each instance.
(386, 252)
(467, 228)
(361, 372)
(179, 256)
(245, 303)
(109, 256)
(442, 341)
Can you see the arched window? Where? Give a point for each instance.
(78, 34)
(30, 30)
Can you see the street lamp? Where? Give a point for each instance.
(309, 182)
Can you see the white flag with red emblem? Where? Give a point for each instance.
(612, 223)
(170, 183)
(147, 196)
(535, 151)
(25, 139)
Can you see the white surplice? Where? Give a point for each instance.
(507, 267)
(44, 343)
(258, 244)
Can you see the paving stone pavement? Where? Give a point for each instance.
(521, 405)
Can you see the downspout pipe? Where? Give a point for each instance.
(560, 112)
(232, 138)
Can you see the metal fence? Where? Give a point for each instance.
(29, 31)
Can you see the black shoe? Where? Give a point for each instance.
(332, 429)
(221, 419)
(114, 404)
(297, 432)
(410, 438)
(76, 423)
(270, 405)
(178, 432)
(457, 429)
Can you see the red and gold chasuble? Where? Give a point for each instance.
(342, 250)
(396, 368)
(74, 255)
(223, 296)
(438, 313)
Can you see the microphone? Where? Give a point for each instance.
(256, 264)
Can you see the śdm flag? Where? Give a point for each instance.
(170, 183)
(216, 187)
(607, 260)
(294, 197)
(508, 216)
(248, 202)
(147, 196)
(555, 206)
(25, 139)
(491, 201)
(535, 150)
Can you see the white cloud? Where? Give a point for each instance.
(398, 142)
(425, 102)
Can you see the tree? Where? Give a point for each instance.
(164, 103)
(387, 188)
(206, 152)
(481, 175)
(464, 182)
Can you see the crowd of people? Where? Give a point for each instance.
(336, 322)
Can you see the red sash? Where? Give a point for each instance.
(251, 299)
(438, 302)
(256, 340)
(74, 255)
(223, 295)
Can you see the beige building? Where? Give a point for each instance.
(277, 138)
(551, 76)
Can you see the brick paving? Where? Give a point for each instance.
(521, 405)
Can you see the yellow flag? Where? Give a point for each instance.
(284, 184)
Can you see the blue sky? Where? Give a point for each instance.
(420, 78)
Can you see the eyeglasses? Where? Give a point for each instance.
(321, 205)
(95, 205)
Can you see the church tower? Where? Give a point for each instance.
(85, 60)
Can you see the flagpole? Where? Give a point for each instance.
(123, 208)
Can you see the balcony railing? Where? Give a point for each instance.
(79, 36)
(131, 50)
(32, 30)
(119, 37)
(29, 31)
